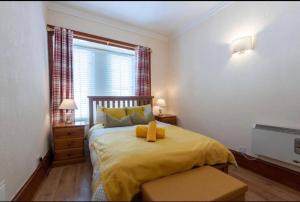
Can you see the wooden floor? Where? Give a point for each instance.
(67, 183)
(263, 189)
(73, 183)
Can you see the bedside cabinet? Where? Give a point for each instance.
(68, 140)
(167, 118)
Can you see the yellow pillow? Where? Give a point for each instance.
(117, 113)
(138, 110)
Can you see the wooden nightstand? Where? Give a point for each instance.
(68, 140)
(167, 118)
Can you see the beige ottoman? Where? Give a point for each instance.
(200, 184)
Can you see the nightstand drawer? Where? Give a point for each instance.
(170, 121)
(68, 154)
(167, 118)
(68, 143)
(75, 132)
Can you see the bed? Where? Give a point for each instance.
(121, 162)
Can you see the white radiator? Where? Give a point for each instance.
(282, 144)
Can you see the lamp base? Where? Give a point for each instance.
(68, 122)
(160, 111)
(69, 119)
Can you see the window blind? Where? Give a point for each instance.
(102, 71)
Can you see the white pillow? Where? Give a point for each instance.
(100, 116)
(147, 109)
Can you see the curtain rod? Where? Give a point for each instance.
(103, 41)
(80, 35)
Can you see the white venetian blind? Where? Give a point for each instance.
(101, 70)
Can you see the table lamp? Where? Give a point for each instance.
(69, 105)
(161, 103)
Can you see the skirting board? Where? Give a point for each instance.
(272, 171)
(28, 190)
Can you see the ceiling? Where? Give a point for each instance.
(163, 17)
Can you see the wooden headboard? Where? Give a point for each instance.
(115, 101)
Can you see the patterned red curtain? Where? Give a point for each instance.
(61, 74)
(143, 80)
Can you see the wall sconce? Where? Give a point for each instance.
(242, 44)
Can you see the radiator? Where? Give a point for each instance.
(278, 143)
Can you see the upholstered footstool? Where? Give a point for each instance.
(200, 184)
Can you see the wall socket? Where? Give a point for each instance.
(2, 191)
(243, 149)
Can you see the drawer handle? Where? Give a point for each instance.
(295, 161)
(69, 154)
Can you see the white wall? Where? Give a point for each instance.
(221, 95)
(78, 21)
(24, 100)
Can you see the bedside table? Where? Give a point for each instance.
(68, 140)
(167, 118)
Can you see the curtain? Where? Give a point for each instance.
(60, 63)
(143, 71)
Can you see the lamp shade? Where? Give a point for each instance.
(161, 102)
(68, 104)
(240, 45)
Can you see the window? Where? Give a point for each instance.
(101, 70)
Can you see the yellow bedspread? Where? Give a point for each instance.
(126, 162)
